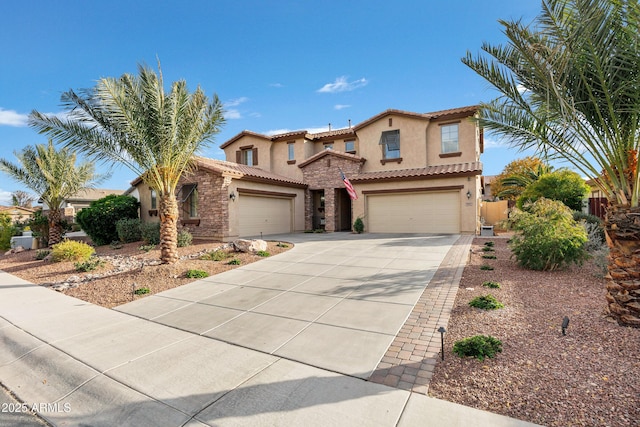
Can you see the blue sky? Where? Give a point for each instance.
(276, 65)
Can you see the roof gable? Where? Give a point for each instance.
(331, 152)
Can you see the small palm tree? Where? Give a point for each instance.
(569, 86)
(133, 121)
(54, 176)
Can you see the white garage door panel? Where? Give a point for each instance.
(266, 215)
(435, 212)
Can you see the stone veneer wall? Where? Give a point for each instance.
(213, 211)
(324, 174)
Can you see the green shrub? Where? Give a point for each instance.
(494, 285)
(547, 237)
(42, 254)
(39, 225)
(263, 253)
(128, 230)
(489, 257)
(489, 244)
(217, 255)
(562, 185)
(89, 265)
(282, 245)
(479, 346)
(196, 274)
(150, 233)
(486, 302)
(99, 219)
(486, 267)
(234, 261)
(184, 238)
(488, 249)
(71, 250)
(7, 231)
(142, 291)
(358, 225)
(147, 248)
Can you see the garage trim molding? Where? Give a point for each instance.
(265, 193)
(413, 190)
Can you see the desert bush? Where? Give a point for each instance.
(142, 291)
(217, 255)
(493, 285)
(99, 219)
(71, 250)
(358, 225)
(486, 302)
(479, 346)
(263, 253)
(196, 274)
(562, 185)
(88, 265)
(128, 230)
(547, 237)
(234, 261)
(184, 238)
(42, 254)
(486, 267)
(150, 233)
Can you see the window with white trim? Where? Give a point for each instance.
(449, 135)
(390, 142)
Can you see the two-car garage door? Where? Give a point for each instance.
(421, 212)
(264, 215)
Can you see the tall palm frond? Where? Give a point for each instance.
(570, 85)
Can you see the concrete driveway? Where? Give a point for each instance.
(335, 301)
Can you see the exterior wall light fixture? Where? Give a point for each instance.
(232, 196)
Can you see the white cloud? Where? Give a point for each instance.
(235, 102)
(12, 118)
(309, 130)
(343, 85)
(276, 85)
(522, 89)
(341, 106)
(492, 142)
(232, 114)
(277, 131)
(5, 197)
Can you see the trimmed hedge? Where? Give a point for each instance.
(99, 219)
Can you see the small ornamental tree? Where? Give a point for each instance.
(563, 185)
(547, 237)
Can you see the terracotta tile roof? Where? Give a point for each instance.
(331, 152)
(470, 168)
(244, 133)
(331, 134)
(460, 111)
(244, 172)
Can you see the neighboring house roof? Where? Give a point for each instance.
(92, 194)
(14, 208)
(244, 172)
(470, 168)
(330, 152)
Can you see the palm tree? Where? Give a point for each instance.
(54, 176)
(569, 85)
(131, 120)
(517, 176)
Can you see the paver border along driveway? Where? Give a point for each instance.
(334, 301)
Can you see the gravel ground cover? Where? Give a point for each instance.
(589, 377)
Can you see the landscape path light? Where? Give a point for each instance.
(442, 330)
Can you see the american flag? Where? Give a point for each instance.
(352, 193)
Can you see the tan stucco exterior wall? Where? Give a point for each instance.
(144, 194)
(263, 146)
(280, 163)
(468, 142)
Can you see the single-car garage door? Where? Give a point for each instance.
(266, 215)
(426, 212)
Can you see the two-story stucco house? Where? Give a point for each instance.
(412, 173)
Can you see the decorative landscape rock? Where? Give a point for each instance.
(251, 246)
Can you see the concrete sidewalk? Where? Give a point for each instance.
(80, 364)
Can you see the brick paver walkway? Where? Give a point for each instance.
(410, 360)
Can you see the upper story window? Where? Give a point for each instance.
(350, 146)
(189, 199)
(449, 138)
(247, 156)
(291, 150)
(390, 142)
(328, 146)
